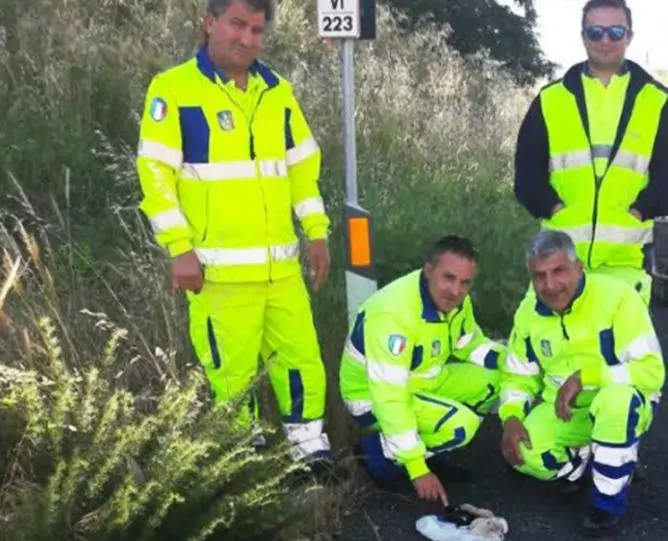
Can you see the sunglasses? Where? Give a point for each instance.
(616, 32)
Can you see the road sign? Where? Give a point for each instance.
(339, 19)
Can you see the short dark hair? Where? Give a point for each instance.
(217, 7)
(455, 244)
(594, 4)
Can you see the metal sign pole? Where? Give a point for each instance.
(350, 159)
(349, 21)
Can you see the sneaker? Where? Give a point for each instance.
(597, 523)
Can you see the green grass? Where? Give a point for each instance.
(90, 335)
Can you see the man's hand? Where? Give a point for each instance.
(186, 272)
(318, 258)
(557, 208)
(430, 488)
(514, 432)
(568, 392)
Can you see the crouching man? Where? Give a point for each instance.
(398, 379)
(586, 345)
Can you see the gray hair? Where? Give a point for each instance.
(549, 242)
(218, 7)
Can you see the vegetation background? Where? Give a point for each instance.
(105, 426)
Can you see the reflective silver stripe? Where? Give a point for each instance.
(297, 432)
(240, 170)
(581, 158)
(387, 373)
(601, 151)
(478, 354)
(168, 219)
(629, 160)
(615, 456)
(313, 205)
(464, 340)
(400, 442)
(623, 235)
(283, 252)
(559, 381)
(517, 367)
(307, 438)
(584, 453)
(354, 354)
(610, 233)
(303, 150)
(620, 374)
(162, 153)
(247, 256)
(570, 160)
(512, 396)
(640, 348)
(358, 407)
(429, 374)
(578, 234)
(608, 485)
(273, 168)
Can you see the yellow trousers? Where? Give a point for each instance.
(233, 325)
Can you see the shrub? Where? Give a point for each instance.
(85, 456)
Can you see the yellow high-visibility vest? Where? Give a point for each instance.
(596, 213)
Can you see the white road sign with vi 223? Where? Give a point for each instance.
(338, 18)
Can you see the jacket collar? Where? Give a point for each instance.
(573, 77)
(430, 311)
(209, 70)
(544, 310)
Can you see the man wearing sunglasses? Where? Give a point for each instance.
(591, 154)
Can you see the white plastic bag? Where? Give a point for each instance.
(472, 524)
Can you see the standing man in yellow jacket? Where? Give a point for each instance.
(225, 158)
(591, 153)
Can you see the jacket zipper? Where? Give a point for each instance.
(252, 156)
(264, 195)
(207, 203)
(594, 219)
(563, 327)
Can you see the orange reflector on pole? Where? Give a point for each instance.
(360, 241)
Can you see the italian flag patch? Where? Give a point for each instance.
(396, 344)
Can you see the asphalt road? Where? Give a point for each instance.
(533, 510)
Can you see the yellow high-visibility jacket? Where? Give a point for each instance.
(223, 170)
(607, 334)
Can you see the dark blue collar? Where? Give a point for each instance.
(623, 69)
(209, 69)
(544, 310)
(430, 311)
